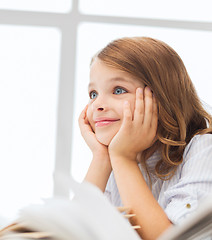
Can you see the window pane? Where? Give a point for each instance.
(194, 47)
(192, 10)
(59, 6)
(29, 76)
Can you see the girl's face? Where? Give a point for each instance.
(108, 89)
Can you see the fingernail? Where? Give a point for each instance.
(140, 90)
(148, 89)
(126, 103)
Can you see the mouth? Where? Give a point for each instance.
(105, 122)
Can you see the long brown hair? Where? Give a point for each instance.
(180, 111)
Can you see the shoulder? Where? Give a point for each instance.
(201, 138)
(197, 157)
(192, 180)
(199, 144)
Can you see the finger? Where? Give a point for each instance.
(148, 101)
(139, 106)
(127, 115)
(82, 115)
(154, 123)
(83, 121)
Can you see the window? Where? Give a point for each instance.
(30, 62)
(190, 10)
(59, 6)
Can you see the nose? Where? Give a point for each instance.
(100, 109)
(99, 104)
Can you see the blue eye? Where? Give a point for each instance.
(119, 90)
(93, 94)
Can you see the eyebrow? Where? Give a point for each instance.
(116, 79)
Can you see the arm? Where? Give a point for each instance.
(136, 194)
(100, 167)
(134, 136)
(99, 171)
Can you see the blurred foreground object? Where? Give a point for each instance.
(88, 215)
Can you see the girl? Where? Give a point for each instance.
(149, 134)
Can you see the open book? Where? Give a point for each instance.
(87, 216)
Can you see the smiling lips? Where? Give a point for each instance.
(101, 122)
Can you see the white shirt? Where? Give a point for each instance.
(192, 181)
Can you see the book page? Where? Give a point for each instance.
(87, 216)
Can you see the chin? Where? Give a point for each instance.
(104, 140)
(105, 135)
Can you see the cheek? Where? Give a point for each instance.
(132, 104)
(120, 107)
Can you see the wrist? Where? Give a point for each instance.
(122, 162)
(98, 173)
(101, 154)
(116, 156)
(102, 160)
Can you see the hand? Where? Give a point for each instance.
(100, 167)
(89, 136)
(139, 132)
